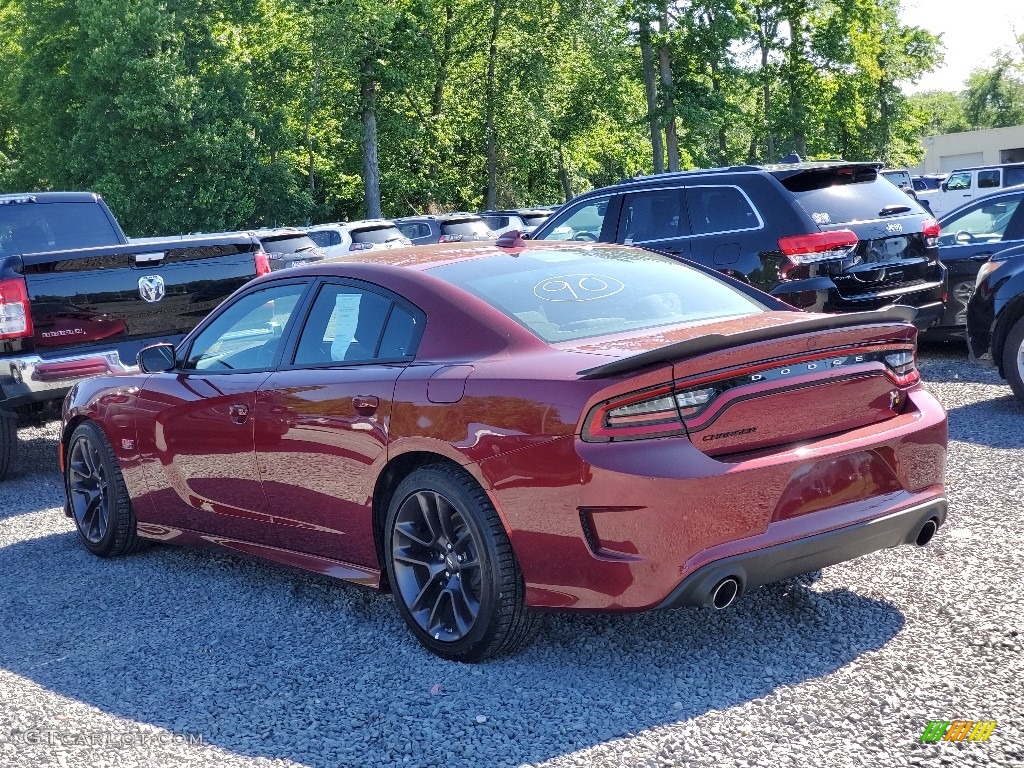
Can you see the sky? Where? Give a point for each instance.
(971, 31)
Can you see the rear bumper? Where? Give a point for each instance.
(791, 558)
(30, 378)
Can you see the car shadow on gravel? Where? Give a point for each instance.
(266, 662)
(973, 422)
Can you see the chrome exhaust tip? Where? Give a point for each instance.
(725, 593)
(926, 532)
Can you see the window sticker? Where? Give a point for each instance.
(344, 320)
(577, 288)
(821, 218)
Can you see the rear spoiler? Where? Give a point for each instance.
(718, 341)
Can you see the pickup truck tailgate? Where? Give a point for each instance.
(150, 290)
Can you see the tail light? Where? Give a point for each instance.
(15, 313)
(818, 246)
(360, 246)
(449, 238)
(262, 263)
(930, 231)
(903, 365)
(657, 412)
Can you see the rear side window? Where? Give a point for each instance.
(988, 179)
(573, 294)
(720, 209)
(653, 215)
(351, 325)
(1014, 176)
(376, 235)
(464, 227)
(844, 194)
(34, 227)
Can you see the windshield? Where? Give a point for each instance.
(383, 234)
(575, 293)
(534, 219)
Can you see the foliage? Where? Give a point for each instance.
(194, 115)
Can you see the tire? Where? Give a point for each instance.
(8, 442)
(1013, 359)
(97, 496)
(445, 550)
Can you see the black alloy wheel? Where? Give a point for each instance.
(451, 567)
(97, 496)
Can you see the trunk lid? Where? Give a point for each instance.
(782, 379)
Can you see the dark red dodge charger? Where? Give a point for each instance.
(486, 430)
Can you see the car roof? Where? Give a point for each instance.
(51, 197)
(990, 166)
(779, 170)
(517, 212)
(440, 216)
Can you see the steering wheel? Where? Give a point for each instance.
(586, 237)
(963, 236)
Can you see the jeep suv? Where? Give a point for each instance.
(444, 228)
(828, 237)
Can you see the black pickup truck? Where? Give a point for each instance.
(78, 299)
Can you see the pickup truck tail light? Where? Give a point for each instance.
(262, 263)
(15, 314)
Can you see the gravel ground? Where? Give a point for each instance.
(123, 662)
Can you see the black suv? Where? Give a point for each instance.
(444, 228)
(828, 237)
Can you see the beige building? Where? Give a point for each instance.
(950, 151)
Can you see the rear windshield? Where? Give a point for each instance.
(464, 227)
(36, 227)
(384, 234)
(287, 243)
(846, 194)
(562, 295)
(534, 219)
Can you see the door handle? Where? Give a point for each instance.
(239, 413)
(981, 256)
(365, 405)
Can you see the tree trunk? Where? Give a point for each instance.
(797, 105)
(371, 166)
(490, 99)
(668, 92)
(767, 32)
(314, 98)
(651, 89)
(563, 175)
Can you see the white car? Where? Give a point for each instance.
(523, 219)
(966, 184)
(345, 238)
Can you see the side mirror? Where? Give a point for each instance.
(945, 187)
(158, 358)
